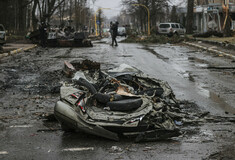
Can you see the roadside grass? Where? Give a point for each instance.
(13, 38)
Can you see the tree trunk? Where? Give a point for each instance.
(189, 26)
(34, 18)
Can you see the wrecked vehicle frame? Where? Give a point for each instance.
(113, 104)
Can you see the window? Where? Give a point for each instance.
(173, 25)
(164, 26)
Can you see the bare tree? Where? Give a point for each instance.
(140, 16)
(174, 15)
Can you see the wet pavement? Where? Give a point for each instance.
(30, 82)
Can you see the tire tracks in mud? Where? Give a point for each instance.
(146, 47)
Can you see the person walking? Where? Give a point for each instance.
(111, 29)
(43, 34)
(114, 29)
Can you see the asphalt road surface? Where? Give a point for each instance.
(30, 82)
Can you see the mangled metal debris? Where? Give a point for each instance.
(109, 104)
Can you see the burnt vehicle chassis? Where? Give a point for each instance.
(114, 104)
(77, 40)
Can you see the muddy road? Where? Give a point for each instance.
(29, 88)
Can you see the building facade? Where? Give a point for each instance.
(209, 14)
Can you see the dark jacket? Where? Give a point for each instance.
(115, 30)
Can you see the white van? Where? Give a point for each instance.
(171, 28)
(121, 31)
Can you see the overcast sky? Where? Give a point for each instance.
(115, 6)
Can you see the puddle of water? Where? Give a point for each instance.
(21, 126)
(215, 98)
(202, 65)
(3, 152)
(79, 149)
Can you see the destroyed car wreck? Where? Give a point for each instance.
(68, 39)
(118, 103)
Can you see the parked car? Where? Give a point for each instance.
(121, 31)
(2, 35)
(171, 29)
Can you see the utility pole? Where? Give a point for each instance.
(148, 16)
(227, 22)
(96, 28)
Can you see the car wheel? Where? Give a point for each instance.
(170, 35)
(176, 34)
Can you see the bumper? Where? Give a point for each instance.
(67, 116)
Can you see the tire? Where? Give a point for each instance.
(170, 35)
(105, 98)
(125, 105)
(86, 84)
(176, 34)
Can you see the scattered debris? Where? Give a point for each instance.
(86, 65)
(49, 130)
(21, 126)
(115, 149)
(69, 70)
(147, 148)
(79, 149)
(3, 152)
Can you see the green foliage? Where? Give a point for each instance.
(159, 39)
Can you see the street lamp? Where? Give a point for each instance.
(96, 30)
(226, 8)
(148, 16)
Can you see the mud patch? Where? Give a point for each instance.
(227, 153)
(49, 82)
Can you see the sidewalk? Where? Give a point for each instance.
(219, 48)
(14, 48)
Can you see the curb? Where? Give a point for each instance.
(221, 44)
(16, 51)
(209, 49)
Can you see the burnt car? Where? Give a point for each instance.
(2, 35)
(114, 104)
(68, 38)
(33, 36)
